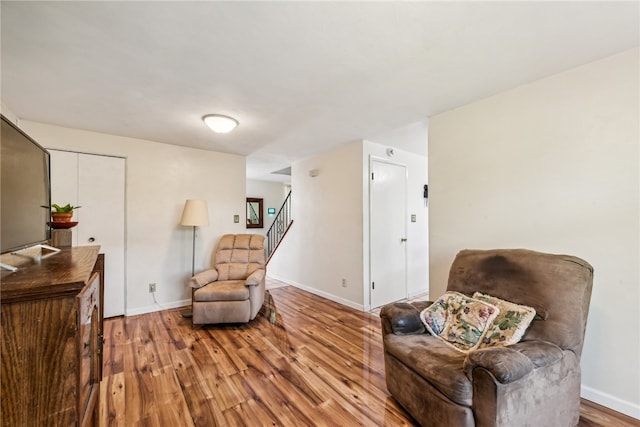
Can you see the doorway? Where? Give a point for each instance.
(97, 184)
(388, 232)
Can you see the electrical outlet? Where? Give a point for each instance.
(344, 282)
(152, 287)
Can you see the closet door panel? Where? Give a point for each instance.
(102, 221)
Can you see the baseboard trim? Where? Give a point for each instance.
(422, 294)
(624, 407)
(322, 294)
(158, 307)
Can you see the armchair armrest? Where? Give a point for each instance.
(505, 364)
(204, 277)
(508, 364)
(403, 318)
(255, 278)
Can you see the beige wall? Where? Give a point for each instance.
(553, 166)
(159, 178)
(324, 243)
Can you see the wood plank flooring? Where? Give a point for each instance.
(309, 362)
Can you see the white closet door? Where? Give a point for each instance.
(97, 184)
(101, 193)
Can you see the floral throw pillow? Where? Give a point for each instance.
(459, 320)
(509, 326)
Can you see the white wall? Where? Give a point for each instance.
(412, 138)
(272, 193)
(553, 166)
(10, 115)
(159, 178)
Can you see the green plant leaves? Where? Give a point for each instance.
(66, 208)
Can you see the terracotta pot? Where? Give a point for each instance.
(61, 216)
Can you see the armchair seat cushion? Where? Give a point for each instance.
(435, 361)
(228, 290)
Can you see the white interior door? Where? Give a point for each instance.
(101, 195)
(388, 231)
(97, 183)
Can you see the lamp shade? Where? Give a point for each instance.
(195, 213)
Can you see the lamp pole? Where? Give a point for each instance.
(195, 214)
(193, 253)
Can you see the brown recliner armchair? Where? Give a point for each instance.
(233, 290)
(535, 382)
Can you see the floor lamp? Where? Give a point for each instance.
(195, 214)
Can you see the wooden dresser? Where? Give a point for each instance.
(52, 338)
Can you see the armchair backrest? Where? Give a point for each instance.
(239, 255)
(557, 286)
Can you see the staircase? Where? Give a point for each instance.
(279, 228)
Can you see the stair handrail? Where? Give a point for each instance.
(282, 220)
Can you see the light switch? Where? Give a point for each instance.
(236, 218)
(413, 217)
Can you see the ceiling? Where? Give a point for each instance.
(300, 77)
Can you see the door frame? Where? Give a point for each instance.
(373, 159)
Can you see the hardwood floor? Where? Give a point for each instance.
(311, 362)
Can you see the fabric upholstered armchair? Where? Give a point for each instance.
(233, 290)
(534, 382)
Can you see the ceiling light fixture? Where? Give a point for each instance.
(219, 123)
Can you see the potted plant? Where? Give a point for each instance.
(62, 213)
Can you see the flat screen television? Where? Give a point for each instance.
(25, 185)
